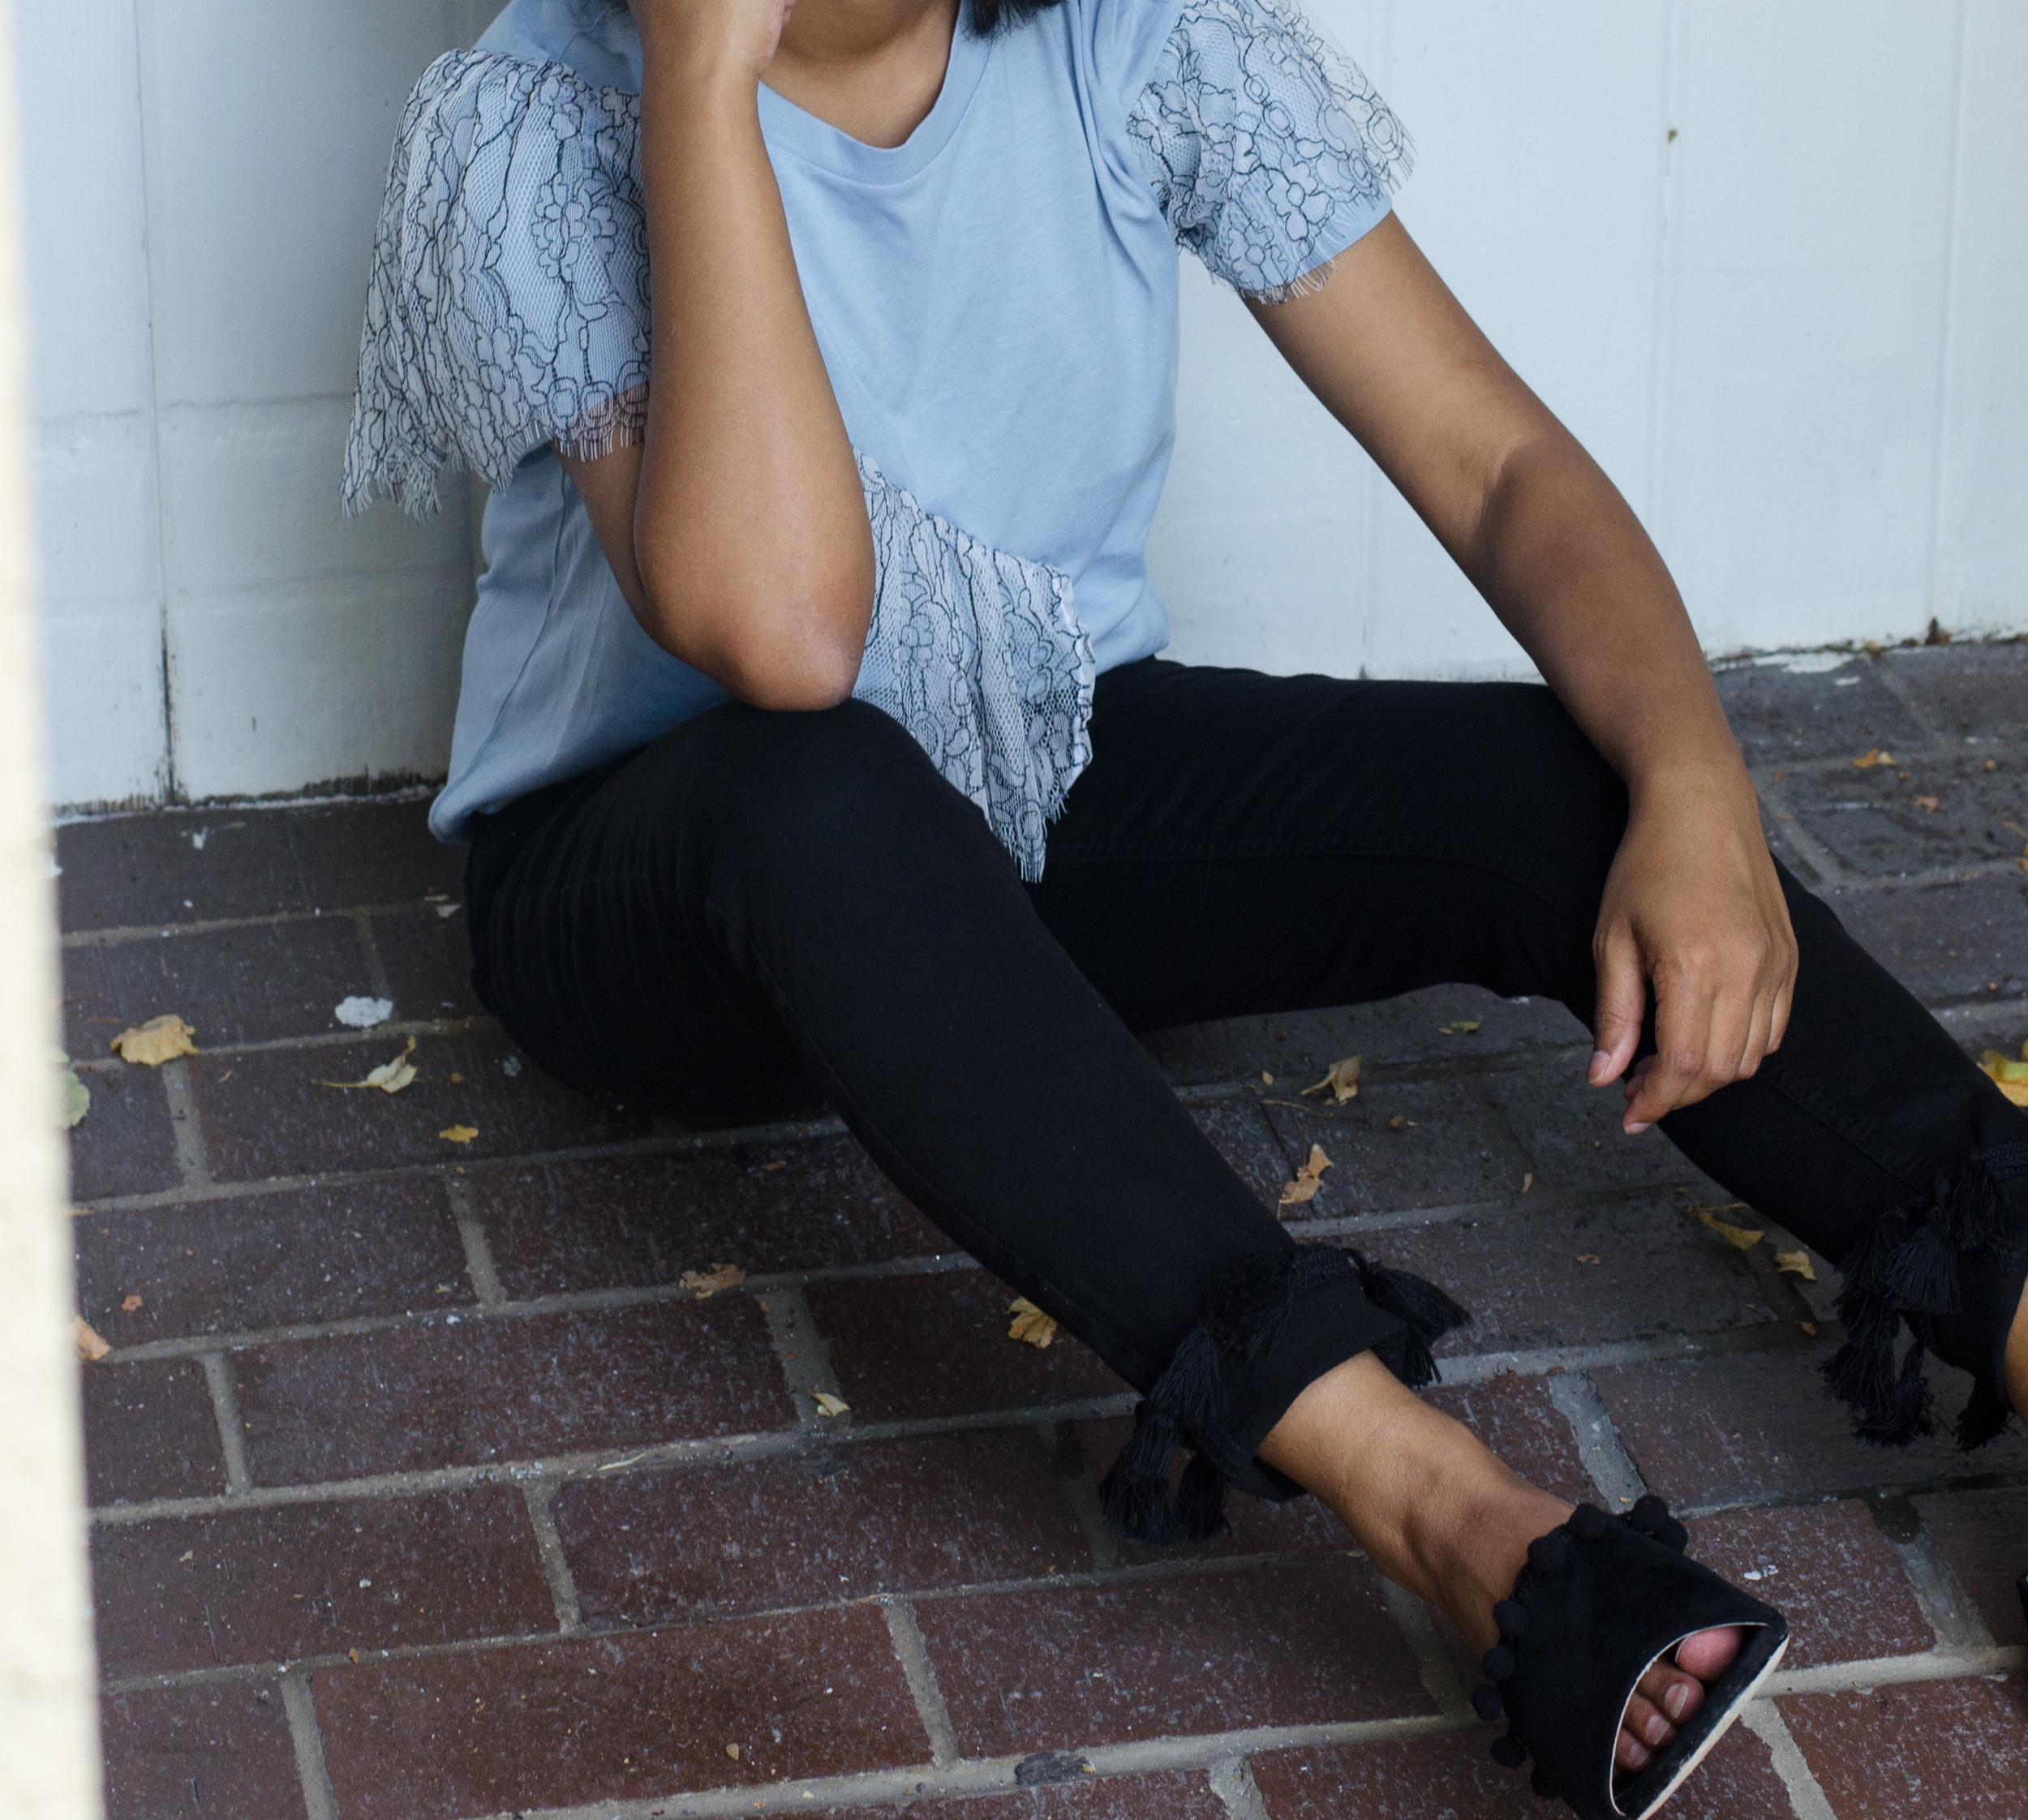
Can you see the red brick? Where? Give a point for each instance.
(1573, 1277)
(250, 985)
(263, 1114)
(428, 962)
(1570, 1133)
(150, 1432)
(1780, 718)
(1828, 1570)
(1244, 1138)
(1514, 1417)
(1450, 1147)
(1179, 1795)
(209, 1753)
(624, 1221)
(893, 1517)
(1945, 1751)
(1301, 1645)
(270, 1261)
(618, 1718)
(134, 870)
(1296, 1047)
(286, 1582)
(510, 1389)
(1968, 939)
(1301, 1527)
(1453, 1778)
(1984, 1537)
(125, 1144)
(1723, 1430)
(917, 1346)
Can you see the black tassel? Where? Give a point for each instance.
(1422, 1308)
(1135, 1496)
(1201, 1501)
(1923, 1274)
(1904, 1416)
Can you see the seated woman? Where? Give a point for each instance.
(814, 745)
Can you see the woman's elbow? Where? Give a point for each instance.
(792, 648)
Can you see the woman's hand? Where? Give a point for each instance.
(732, 40)
(1693, 905)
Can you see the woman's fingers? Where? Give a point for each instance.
(1623, 1002)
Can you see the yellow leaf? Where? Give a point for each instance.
(2003, 1068)
(1266, 1078)
(1745, 1237)
(1797, 1264)
(733, 1752)
(161, 1039)
(1030, 1324)
(2015, 1090)
(458, 1133)
(1342, 1083)
(1308, 1179)
(1874, 756)
(90, 1347)
(1462, 1028)
(707, 1283)
(828, 1405)
(390, 1077)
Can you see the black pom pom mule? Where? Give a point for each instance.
(1600, 1601)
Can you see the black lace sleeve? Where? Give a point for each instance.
(507, 302)
(1268, 151)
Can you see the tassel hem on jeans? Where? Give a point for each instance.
(1247, 1317)
(1910, 1268)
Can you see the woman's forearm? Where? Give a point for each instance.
(750, 531)
(1563, 560)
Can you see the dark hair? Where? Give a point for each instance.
(987, 17)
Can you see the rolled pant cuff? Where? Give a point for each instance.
(1269, 1331)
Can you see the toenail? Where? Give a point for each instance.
(1677, 1701)
(1639, 1753)
(1657, 1730)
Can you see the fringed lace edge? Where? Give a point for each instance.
(1304, 284)
(621, 422)
(1905, 1271)
(1247, 1316)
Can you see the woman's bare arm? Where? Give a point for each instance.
(738, 533)
(1693, 906)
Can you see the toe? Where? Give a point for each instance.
(1710, 1653)
(1672, 1693)
(1645, 1723)
(1630, 1754)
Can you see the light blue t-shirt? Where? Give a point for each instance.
(996, 304)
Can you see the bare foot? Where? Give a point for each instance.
(2018, 1359)
(1439, 1514)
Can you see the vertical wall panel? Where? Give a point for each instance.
(1542, 145)
(302, 648)
(1806, 262)
(1981, 534)
(101, 592)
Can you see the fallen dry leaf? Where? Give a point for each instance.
(457, 1134)
(161, 1039)
(90, 1347)
(1745, 1237)
(1927, 805)
(1030, 1324)
(1342, 1083)
(129, 1304)
(828, 1405)
(1396, 1123)
(1588, 1257)
(1797, 1264)
(1463, 1027)
(1874, 756)
(1266, 1078)
(733, 1752)
(1809, 1327)
(707, 1283)
(75, 1095)
(2009, 1076)
(1528, 1182)
(187, 1555)
(1308, 1179)
(390, 1077)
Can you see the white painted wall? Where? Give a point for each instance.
(1771, 264)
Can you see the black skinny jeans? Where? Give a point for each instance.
(759, 912)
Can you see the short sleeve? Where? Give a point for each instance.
(1269, 154)
(507, 302)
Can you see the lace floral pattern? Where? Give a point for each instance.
(1257, 136)
(508, 308)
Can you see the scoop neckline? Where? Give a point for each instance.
(794, 130)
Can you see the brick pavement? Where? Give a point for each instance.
(423, 1488)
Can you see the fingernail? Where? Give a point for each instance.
(1635, 1130)
(1600, 1061)
(1676, 1700)
(1657, 1730)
